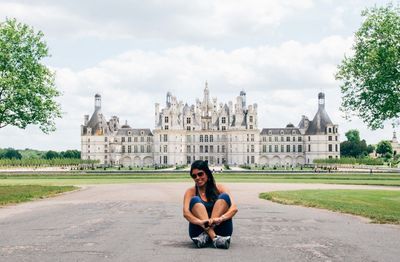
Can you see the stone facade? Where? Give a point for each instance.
(222, 133)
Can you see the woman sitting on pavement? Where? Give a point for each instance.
(209, 208)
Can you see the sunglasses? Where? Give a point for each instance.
(199, 174)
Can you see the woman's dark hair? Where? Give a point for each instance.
(211, 188)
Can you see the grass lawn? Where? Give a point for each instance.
(23, 193)
(106, 178)
(381, 206)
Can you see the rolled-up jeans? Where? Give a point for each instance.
(223, 229)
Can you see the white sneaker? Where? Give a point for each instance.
(222, 242)
(201, 240)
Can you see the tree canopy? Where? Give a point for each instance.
(384, 147)
(370, 78)
(354, 146)
(27, 88)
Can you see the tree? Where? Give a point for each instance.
(353, 135)
(354, 147)
(51, 154)
(71, 154)
(27, 88)
(370, 79)
(384, 147)
(11, 153)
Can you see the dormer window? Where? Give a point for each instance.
(269, 132)
(282, 133)
(129, 133)
(223, 120)
(142, 133)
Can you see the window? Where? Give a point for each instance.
(188, 120)
(270, 139)
(166, 119)
(211, 138)
(329, 138)
(282, 148)
(276, 148)
(282, 139)
(148, 139)
(129, 139)
(287, 148)
(188, 128)
(251, 126)
(201, 149)
(166, 127)
(300, 148)
(206, 138)
(105, 139)
(123, 139)
(135, 149)
(142, 139)
(264, 148)
(294, 148)
(141, 149)
(223, 128)
(188, 149)
(123, 149)
(135, 139)
(165, 138)
(252, 159)
(251, 119)
(270, 148)
(129, 149)
(336, 148)
(247, 138)
(223, 149)
(211, 149)
(252, 137)
(165, 149)
(165, 160)
(252, 148)
(223, 120)
(201, 138)
(330, 148)
(288, 139)
(264, 139)
(205, 149)
(148, 148)
(309, 148)
(299, 139)
(276, 139)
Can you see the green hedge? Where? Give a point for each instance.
(350, 160)
(31, 162)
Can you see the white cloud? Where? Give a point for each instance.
(154, 19)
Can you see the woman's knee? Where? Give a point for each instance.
(225, 197)
(194, 200)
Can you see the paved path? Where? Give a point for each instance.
(143, 222)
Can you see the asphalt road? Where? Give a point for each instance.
(143, 222)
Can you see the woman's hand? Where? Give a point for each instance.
(217, 220)
(206, 223)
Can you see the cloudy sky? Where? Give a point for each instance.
(281, 52)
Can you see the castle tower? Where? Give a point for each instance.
(97, 102)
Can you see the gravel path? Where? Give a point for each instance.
(143, 222)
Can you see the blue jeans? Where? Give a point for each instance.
(223, 229)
